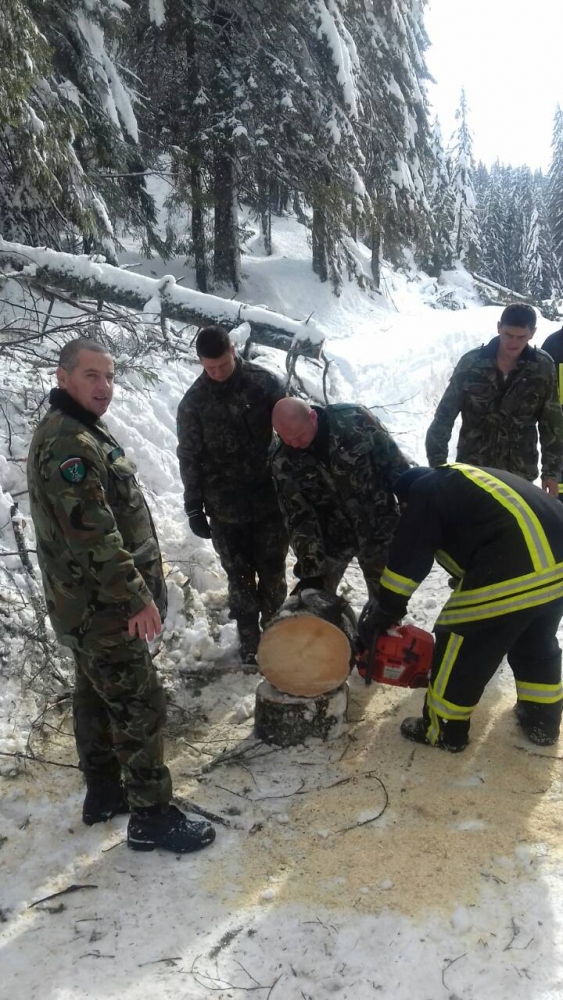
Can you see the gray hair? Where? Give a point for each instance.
(68, 358)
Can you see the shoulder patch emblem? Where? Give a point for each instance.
(73, 470)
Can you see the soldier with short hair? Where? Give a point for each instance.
(334, 469)
(506, 392)
(224, 435)
(106, 595)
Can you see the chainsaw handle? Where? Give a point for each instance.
(370, 664)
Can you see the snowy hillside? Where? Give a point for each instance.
(359, 868)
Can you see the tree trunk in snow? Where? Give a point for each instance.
(285, 720)
(89, 279)
(195, 162)
(226, 251)
(198, 225)
(265, 195)
(298, 209)
(376, 254)
(320, 253)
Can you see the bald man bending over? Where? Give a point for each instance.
(334, 468)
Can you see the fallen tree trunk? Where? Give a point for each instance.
(156, 297)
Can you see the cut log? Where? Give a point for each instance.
(308, 649)
(285, 719)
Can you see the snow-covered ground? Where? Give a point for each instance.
(359, 868)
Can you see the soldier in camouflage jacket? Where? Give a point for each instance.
(224, 434)
(334, 469)
(503, 400)
(105, 590)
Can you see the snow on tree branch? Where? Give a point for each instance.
(89, 277)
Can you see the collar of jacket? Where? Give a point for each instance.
(490, 350)
(61, 400)
(230, 383)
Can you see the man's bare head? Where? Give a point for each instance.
(295, 422)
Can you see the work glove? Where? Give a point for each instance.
(199, 524)
(373, 619)
(308, 583)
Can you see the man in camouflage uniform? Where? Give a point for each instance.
(224, 434)
(105, 592)
(505, 392)
(554, 347)
(334, 470)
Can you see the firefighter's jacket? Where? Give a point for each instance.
(499, 535)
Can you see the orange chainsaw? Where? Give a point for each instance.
(402, 657)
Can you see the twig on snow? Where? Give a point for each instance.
(372, 819)
(448, 964)
(37, 760)
(63, 892)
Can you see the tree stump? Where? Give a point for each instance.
(287, 719)
(305, 656)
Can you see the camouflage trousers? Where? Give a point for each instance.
(253, 556)
(119, 710)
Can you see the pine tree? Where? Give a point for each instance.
(465, 234)
(440, 197)
(69, 155)
(493, 225)
(555, 186)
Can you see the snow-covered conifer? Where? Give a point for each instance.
(465, 233)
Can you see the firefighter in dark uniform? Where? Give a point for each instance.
(554, 347)
(502, 538)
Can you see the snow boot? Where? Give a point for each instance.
(540, 723)
(169, 828)
(416, 730)
(105, 797)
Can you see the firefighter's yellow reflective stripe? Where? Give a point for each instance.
(531, 599)
(538, 546)
(450, 656)
(447, 709)
(433, 731)
(400, 584)
(506, 587)
(545, 694)
(560, 379)
(560, 487)
(449, 564)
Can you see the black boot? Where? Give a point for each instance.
(169, 828)
(540, 723)
(249, 637)
(416, 730)
(105, 797)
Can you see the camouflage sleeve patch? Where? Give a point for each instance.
(73, 470)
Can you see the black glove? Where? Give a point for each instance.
(199, 524)
(308, 583)
(373, 619)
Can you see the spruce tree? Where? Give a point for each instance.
(555, 186)
(465, 233)
(70, 163)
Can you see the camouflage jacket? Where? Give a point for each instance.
(346, 506)
(96, 541)
(224, 434)
(501, 418)
(554, 347)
